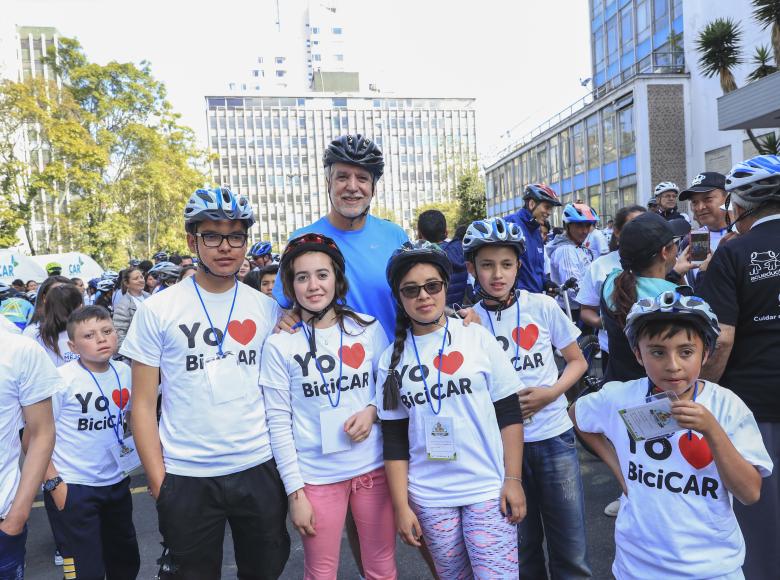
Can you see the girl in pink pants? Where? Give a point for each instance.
(320, 403)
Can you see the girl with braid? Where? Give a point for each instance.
(452, 427)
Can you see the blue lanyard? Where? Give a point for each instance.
(319, 368)
(211, 324)
(428, 395)
(120, 415)
(517, 325)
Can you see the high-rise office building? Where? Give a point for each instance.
(651, 115)
(271, 148)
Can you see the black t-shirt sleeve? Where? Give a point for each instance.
(395, 439)
(508, 411)
(719, 286)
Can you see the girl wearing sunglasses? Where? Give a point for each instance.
(320, 402)
(452, 426)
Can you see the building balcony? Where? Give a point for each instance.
(754, 106)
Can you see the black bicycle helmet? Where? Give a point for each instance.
(311, 242)
(411, 253)
(540, 192)
(355, 150)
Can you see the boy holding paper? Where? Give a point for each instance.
(676, 518)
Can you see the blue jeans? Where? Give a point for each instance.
(556, 509)
(12, 555)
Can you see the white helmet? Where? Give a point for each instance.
(666, 186)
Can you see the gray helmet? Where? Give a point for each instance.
(219, 204)
(494, 231)
(672, 305)
(165, 271)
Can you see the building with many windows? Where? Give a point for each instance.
(651, 115)
(271, 148)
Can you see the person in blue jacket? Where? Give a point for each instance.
(539, 203)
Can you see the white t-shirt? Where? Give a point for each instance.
(475, 374)
(8, 326)
(677, 521)
(597, 242)
(82, 416)
(170, 330)
(591, 284)
(27, 376)
(543, 327)
(287, 365)
(65, 355)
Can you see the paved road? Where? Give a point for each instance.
(600, 489)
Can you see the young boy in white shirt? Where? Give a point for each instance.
(528, 327)
(676, 518)
(88, 480)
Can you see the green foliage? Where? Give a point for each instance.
(470, 193)
(117, 168)
(767, 13)
(384, 213)
(769, 144)
(762, 60)
(719, 48)
(450, 209)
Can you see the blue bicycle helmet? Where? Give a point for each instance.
(756, 180)
(579, 213)
(260, 249)
(493, 231)
(219, 204)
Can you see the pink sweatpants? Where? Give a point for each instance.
(369, 498)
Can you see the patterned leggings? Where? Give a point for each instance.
(472, 541)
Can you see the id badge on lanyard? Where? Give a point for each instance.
(227, 379)
(125, 455)
(334, 438)
(440, 438)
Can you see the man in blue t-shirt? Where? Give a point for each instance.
(353, 165)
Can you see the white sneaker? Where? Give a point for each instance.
(612, 508)
(58, 561)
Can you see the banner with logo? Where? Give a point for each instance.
(74, 264)
(14, 265)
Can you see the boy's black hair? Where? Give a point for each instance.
(432, 226)
(145, 266)
(83, 315)
(175, 259)
(667, 328)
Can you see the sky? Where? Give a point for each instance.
(521, 59)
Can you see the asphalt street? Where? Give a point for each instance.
(600, 489)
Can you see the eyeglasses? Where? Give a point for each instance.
(214, 240)
(431, 288)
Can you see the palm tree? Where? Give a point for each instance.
(762, 60)
(770, 145)
(719, 48)
(767, 12)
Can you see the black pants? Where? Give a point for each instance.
(98, 536)
(193, 511)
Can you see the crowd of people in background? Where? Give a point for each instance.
(360, 381)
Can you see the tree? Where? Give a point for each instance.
(384, 213)
(107, 150)
(762, 60)
(450, 209)
(470, 193)
(719, 48)
(767, 13)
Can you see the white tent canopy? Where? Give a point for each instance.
(74, 264)
(14, 265)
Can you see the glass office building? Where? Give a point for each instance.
(271, 148)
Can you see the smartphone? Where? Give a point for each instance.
(700, 246)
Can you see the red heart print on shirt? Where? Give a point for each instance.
(242, 331)
(695, 450)
(525, 337)
(352, 356)
(121, 399)
(449, 363)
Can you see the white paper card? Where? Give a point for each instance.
(652, 419)
(440, 438)
(125, 455)
(332, 434)
(227, 379)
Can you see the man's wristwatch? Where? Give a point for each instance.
(51, 484)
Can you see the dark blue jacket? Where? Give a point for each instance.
(532, 273)
(456, 291)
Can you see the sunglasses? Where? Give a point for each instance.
(431, 288)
